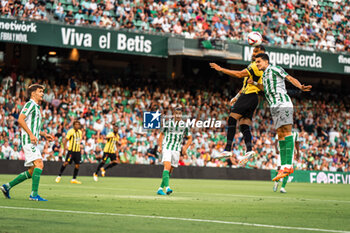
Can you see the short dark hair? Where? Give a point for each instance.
(33, 88)
(76, 122)
(263, 56)
(261, 47)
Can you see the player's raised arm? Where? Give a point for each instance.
(296, 83)
(22, 123)
(232, 73)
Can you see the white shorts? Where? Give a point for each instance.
(282, 114)
(31, 153)
(171, 156)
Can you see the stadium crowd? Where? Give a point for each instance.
(308, 24)
(323, 122)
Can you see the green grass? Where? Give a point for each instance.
(321, 206)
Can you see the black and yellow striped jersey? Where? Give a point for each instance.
(74, 137)
(112, 139)
(256, 75)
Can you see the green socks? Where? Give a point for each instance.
(289, 147)
(25, 175)
(165, 179)
(285, 180)
(19, 179)
(36, 179)
(282, 146)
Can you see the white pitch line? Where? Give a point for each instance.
(215, 194)
(175, 218)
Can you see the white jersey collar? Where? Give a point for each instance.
(34, 102)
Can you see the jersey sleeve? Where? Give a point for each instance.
(282, 72)
(69, 134)
(250, 70)
(28, 107)
(253, 72)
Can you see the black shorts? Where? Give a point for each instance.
(73, 156)
(246, 105)
(112, 156)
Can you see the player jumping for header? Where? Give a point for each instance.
(281, 107)
(246, 102)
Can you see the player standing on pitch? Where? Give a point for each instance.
(30, 122)
(246, 102)
(281, 107)
(74, 136)
(169, 144)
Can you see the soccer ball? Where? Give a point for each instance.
(254, 39)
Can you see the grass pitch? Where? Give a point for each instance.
(131, 205)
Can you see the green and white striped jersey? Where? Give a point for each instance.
(173, 137)
(274, 85)
(33, 120)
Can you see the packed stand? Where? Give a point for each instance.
(323, 25)
(323, 122)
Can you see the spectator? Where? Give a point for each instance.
(7, 151)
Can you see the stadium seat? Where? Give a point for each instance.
(91, 18)
(207, 44)
(112, 13)
(70, 8)
(48, 6)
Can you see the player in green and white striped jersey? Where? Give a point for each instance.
(30, 121)
(170, 144)
(296, 140)
(33, 120)
(281, 107)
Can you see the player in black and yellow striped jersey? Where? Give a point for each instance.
(74, 137)
(109, 151)
(245, 103)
